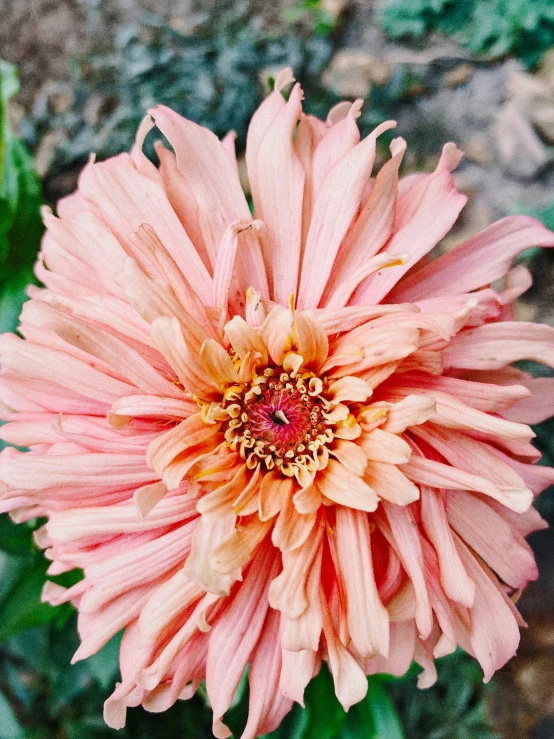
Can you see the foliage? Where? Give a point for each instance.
(311, 12)
(493, 28)
(20, 197)
(211, 73)
(452, 709)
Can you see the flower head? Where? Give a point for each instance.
(276, 439)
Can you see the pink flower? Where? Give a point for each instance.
(276, 439)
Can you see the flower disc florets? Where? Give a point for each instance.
(283, 421)
(284, 417)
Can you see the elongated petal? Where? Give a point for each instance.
(368, 620)
(310, 339)
(418, 236)
(236, 633)
(267, 706)
(477, 262)
(334, 210)
(438, 475)
(374, 224)
(457, 583)
(390, 483)
(494, 633)
(382, 446)
(120, 193)
(507, 553)
(404, 531)
(497, 344)
(280, 186)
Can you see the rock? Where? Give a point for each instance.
(348, 75)
(546, 68)
(533, 676)
(521, 152)
(478, 149)
(544, 122)
(352, 72)
(92, 110)
(334, 8)
(16, 113)
(457, 76)
(525, 311)
(380, 70)
(534, 96)
(45, 154)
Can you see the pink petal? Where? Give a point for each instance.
(433, 218)
(297, 670)
(456, 582)
(236, 633)
(406, 540)
(350, 681)
(494, 633)
(390, 483)
(267, 706)
(344, 487)
(495, 345)
(506, 553)
(341, 138)
(334, 210)
(120, 194)
(209, 172)
(278, 201)
(477, 262)
(539, 407)
(288, 592)
(374, 225)
(368, 621)
(258, 127)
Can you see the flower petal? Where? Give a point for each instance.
(342, 486)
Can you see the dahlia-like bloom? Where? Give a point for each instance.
(276, 439)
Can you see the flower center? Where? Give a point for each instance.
(279, 420)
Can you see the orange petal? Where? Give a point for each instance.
(346, 488)
(292, 528)
(310, 339)
(217, 363)
(381, 446)
(238, 550)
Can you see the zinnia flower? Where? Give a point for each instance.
(276, 439)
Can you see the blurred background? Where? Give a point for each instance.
(477, 72)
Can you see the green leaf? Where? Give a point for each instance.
(20, 199)
(16, 538)
(104, 665)
(379, 706)
(493, 28)
(21, 607)
(324, 715)
(9, 725)
(375, 717)
(12, 297)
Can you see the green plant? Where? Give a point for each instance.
(493, 28)
(212, 74)
(20, 198)
(452, 709)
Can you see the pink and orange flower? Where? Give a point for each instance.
(276, 439)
